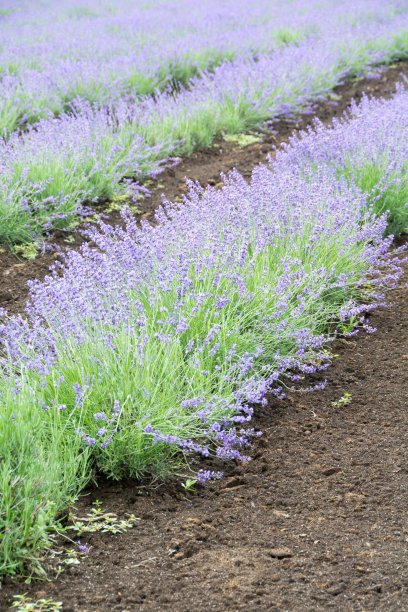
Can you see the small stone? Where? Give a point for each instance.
(330, 471)
(280, 553)
(233, 482)
(196, 521)
(231, 584)
(336, 590)
(179, 555)
(281, 513)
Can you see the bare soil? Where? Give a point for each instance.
(316, 521)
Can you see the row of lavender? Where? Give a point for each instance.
(49, 172)
(162, 339)
(102, 51)
(53, 53)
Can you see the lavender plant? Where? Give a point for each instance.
(152, 348)
(52, 173)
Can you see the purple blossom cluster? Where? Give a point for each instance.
(234, 293)
(206, 475)
(104, 434)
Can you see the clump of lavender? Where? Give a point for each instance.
(49, 172)
(187, 324)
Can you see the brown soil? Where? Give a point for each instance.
(317, 519)
(204, 166)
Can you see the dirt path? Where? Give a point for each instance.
(316, 521)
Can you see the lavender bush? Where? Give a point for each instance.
(162, 339)
(49, 173)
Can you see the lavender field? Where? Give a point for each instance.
(82, 112)
(148, 352)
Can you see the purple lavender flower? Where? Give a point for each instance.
(84, 550)
(206, 475)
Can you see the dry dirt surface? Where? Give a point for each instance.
(316, 521)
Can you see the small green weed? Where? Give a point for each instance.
(188, 485)
(343, 401)
(28, 250)
(26, 604)
(99, 521)
(242, 140)
(75, 555)
(349, 326)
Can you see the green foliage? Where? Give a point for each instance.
(345, 400)
(39, 470)
(26, 604)
(188, 485)
(99, 521)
